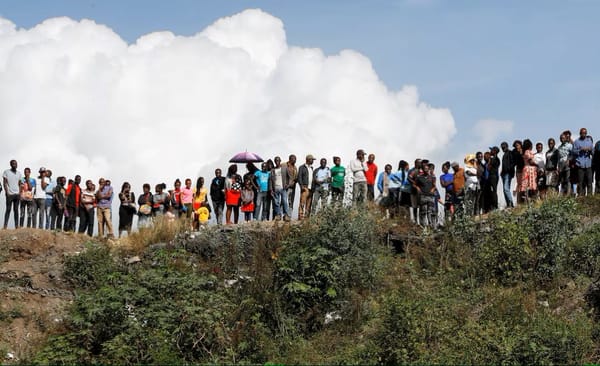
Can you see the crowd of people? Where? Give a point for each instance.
(268, 192)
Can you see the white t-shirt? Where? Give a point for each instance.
(13, 180)
(358, 169)
(39, 191)
(278, 180)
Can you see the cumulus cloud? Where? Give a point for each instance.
(75, 97)
(489, 131)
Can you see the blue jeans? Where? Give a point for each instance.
(506, 180)
(261, 211)
(281, 200)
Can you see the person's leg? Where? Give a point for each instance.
(589, 178)
(597, 176)
(284, 203)
(370, 192)
(302, 207)
(12, 203)
(47, 210)
(277, 200)
(506, 189)
(100, 222)
(22, 212)
(236, 214)
(291, 196)
(228, 215)
(107, 222)
(83, 221)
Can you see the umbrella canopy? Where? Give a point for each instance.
(246, 157)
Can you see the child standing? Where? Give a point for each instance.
(247, 201)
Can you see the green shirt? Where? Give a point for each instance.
(337, 176)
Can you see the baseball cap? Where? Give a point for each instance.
(42, 169)
(309, 156)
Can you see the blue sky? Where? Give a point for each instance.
(534, 63)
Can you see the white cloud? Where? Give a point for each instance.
(490, 131)
(76, 98)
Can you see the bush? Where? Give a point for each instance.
(583, 253)
(323, 258)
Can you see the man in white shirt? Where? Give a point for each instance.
(358, 169)
(39, 198)
(12, 182)
(321, 181)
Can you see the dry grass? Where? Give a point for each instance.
(161, 230)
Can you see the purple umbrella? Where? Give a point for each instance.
(246, 157)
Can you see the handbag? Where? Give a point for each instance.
(145, 209)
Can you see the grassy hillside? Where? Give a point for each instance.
(517, 287)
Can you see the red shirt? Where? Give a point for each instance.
(371, 173)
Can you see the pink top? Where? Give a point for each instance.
(187, 195)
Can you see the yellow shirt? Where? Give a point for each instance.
(203, 214)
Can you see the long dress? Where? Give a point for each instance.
(126, 211)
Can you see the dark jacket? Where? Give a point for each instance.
(303, 173)
(508, 164)
(217, 187)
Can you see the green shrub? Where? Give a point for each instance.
(323, 258)
(89, 269)
(583, 253)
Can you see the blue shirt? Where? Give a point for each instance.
(583, 158)
(263, 180)
(448, 177)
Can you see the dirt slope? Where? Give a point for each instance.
(33, 294)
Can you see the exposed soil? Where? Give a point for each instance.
(33, 294)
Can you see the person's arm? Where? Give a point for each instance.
(5, 184)
(380, 182)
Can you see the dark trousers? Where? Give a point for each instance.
(71, 219)
(584, 181)
(56, 217)
(370, 192)
(86, 221)
(27, 207)
(12, 201)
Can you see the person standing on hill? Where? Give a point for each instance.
(596, 165)
(58, 204)
(39, 199)
(261, 211)
(358, 169)
(371, 175)
(507, 174)
(494, 176)
(305, 178)
(86, 212)
(12, 187)
(26, 198)
(73, 201)
(280, 180)
(321, 181)
(291, 188)
(338, 177)
(413, 173)
(582, 151)
(233, 192)
(104, 197)
(217, 195)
